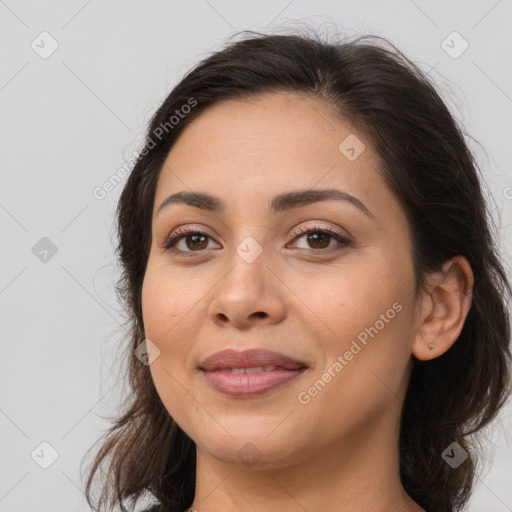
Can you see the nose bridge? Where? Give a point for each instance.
(252, 247)
(247, 235)
(250, 250)
(246, 291)
(247, 265)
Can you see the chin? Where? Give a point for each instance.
(253, 450)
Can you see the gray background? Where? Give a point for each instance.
(71, 119)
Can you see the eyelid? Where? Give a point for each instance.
(183, 231)
(317, 227)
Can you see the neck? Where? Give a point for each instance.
(361, 473)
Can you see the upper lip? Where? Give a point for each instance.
(249, 358)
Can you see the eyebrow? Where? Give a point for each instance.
(280, 203)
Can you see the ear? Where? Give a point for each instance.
(443, 309)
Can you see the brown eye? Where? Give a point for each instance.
(195, 240)
(319, 238)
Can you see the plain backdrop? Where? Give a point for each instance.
(79, 81)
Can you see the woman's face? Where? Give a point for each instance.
(343, 310)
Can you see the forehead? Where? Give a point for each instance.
(247, 150)
(269, 126)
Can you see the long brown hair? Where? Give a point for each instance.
(433, 174)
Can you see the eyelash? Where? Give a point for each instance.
(298, 233)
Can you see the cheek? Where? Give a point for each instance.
(354, 298)
(164, 302)
(173, 301)
(169, 327)
(367, 311)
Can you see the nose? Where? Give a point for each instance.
(248, 295)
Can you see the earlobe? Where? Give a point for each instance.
(444, 307)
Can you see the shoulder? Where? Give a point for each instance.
(158, 507)
(153, 508)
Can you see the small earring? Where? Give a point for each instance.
(431, 346)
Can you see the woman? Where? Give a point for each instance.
(318, 310)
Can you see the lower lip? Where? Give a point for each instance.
(249, 384)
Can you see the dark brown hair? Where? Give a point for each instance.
(427, 165)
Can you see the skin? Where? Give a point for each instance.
(340, 450)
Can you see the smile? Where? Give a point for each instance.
(250, 381)
(249, 372)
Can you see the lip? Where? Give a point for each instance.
(217, 370)
(228, 359)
